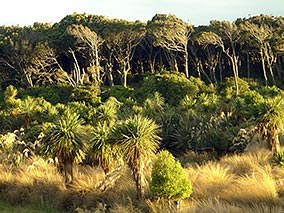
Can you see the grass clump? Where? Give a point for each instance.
(211, 180)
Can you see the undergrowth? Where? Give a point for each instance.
(248, 182)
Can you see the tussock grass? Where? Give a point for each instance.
(129, 208)
(37, 182)
(259, 187)
(278, 174)
(6, 208)
(217, 206)
(210, 180)
(124, 190)
(39, 170)
(248, 179)
(6, 174)
(249, 182)
(247, 163)
(87, 178)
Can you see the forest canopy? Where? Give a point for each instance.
(83, 49)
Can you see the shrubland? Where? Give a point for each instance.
(90, 149)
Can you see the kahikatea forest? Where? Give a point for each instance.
(108, 115)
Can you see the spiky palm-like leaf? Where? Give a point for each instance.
(137, 134)
(107, 112)
(10, 94)
(107, 154)
(27, 108)
(65, 140)
(66, 137)
(272, 114)
(271, 118)
(139, 140)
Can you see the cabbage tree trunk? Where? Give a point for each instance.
(68, 171)
(273, 140)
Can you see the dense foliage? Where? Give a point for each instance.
(169, 179)
(83, 48)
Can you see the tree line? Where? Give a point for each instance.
(83, 49)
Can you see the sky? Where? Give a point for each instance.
(196, 12)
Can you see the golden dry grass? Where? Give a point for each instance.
(236, 183)
(259, 187)
(218, 206)
(236, 180)
(87, 178)
(210, 180)
(247, 163)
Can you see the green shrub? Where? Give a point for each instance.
(246, 104)
(172, 86)
(204, 103)
(228, 87)
(169, 179)
(88, 94)
(10, 97)
(154, 106)
(119, 92)
(268, 91)
(53, 94)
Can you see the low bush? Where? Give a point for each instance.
(169, 180)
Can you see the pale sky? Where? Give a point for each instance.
(197, 12)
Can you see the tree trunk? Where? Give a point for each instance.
(97, 65)
(235, 64)
(234, 60)
(248, 67)
(235, 71)
(278, 68)
(110, 79)
(186, 63)
(274, 143)
(68, 172)
(272, 74)
(220, 69)
(271, 60)
(109, 74)
(28, 79)
(151, 64)
(201, 70)
(263, 66)
(213, 70)
(175, 64)
(123, 78)
(139, 181)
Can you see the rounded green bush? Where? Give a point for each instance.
(169, 179)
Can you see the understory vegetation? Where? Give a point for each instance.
(62, 154)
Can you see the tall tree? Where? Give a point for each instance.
(87, 43)
(224, 35)
(121, 40)
(260, 36)
(210, 58)
(26, 56)
(171, 33)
